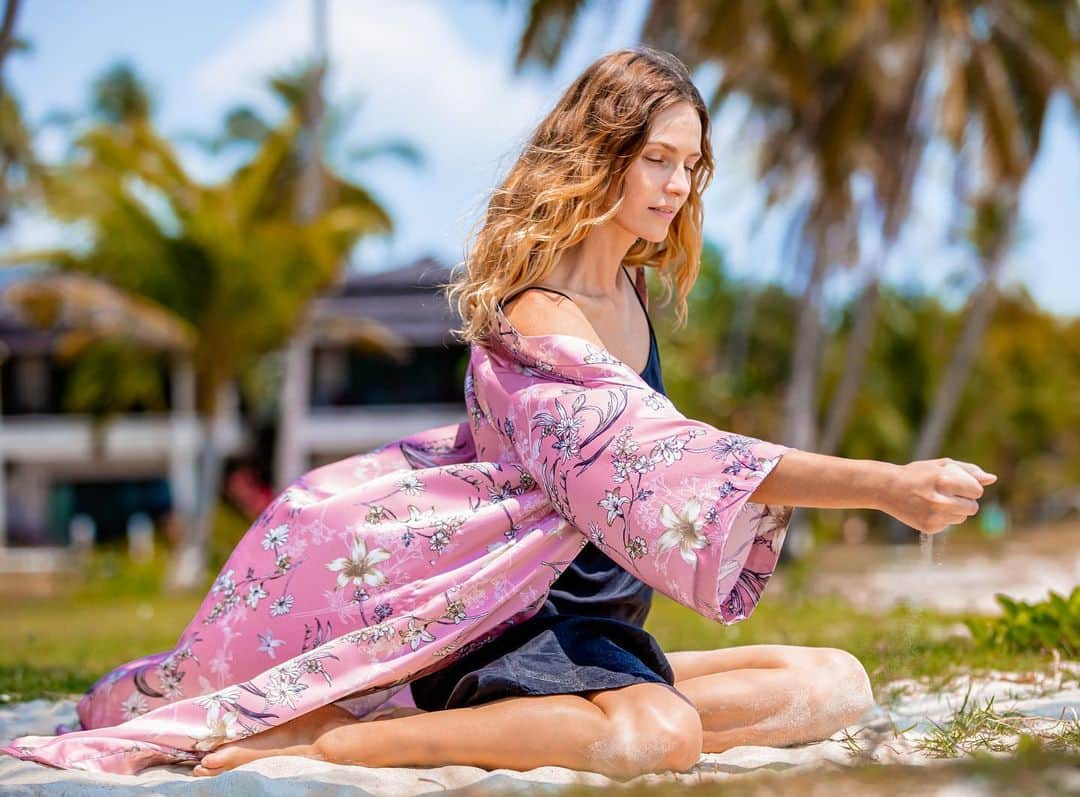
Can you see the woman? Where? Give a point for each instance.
(609, 183)
(614, 177)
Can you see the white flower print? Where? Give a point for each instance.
(282, 689)
(279, 535)
(439, 540)
(414, 636)
(410, 484)
(655, 401)
(255, 594)
(624, 445)
(371, 634)
(219, 664)
(455, 610)
(683, 530)
(169, 679)
(376, 514)
(134, 705)
(224, 582)
(621, 472)
(424, 518)
(228, 695)
(670, 449)
(566, 425)
(360, 567)
(613, 503)
(732, 445)
(637, 548)
(221, 726)
(281, 606)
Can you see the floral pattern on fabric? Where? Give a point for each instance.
(369, 572)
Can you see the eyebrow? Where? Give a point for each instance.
(671, 148)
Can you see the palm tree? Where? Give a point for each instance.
(208, 254)
(839, 90)
(18, 164)
(244, 127)
(7, 36)
(303, 183)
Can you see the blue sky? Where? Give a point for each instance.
(439, 74)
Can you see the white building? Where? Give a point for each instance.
(56, 467)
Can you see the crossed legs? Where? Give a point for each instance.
(756, 694)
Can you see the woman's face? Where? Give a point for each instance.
(657, 183)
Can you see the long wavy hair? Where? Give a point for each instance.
(562, 184)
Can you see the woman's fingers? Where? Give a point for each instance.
(980, 475)
(957, 480)
(966, 506)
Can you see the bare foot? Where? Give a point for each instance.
(295, 737)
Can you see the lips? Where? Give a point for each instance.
(666, 212)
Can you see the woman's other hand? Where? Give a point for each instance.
(932, 494)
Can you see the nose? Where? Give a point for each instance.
(679, 183)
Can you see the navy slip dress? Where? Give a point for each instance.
(588, 635)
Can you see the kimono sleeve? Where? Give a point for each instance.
(665, 496)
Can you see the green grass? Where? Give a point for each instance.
(62, 646)
(115, 612)
(902, 643)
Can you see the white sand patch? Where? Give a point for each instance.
(955, 582)
(898, 734)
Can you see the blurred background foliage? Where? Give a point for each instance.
(834, 96)
(1017, 417)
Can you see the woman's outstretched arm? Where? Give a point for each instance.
(928, 495)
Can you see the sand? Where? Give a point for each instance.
(1042, 703)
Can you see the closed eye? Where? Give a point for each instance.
(661, 160)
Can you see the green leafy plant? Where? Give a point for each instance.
(1048, 625)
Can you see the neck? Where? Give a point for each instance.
(591, 268)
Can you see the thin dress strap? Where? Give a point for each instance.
(639, 289)
(531, 287)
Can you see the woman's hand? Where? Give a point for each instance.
(932, 494)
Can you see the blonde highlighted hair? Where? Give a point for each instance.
(561, 185)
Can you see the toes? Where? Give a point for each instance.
(212, 761)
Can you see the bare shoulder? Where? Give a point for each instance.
(536, 312)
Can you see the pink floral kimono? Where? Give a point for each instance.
(369, 572)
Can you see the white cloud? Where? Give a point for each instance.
(421, 81)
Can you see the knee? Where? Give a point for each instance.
(658, 737)
(844, 692)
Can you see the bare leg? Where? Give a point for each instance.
(600, 732)
(773, 695)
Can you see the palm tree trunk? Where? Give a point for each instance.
(7, 37)
(855, 357)
(948, 394)
(800, 429)
(290, 457)
(191, 560)
(801, 401)
(738, 344)
(932, 432)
